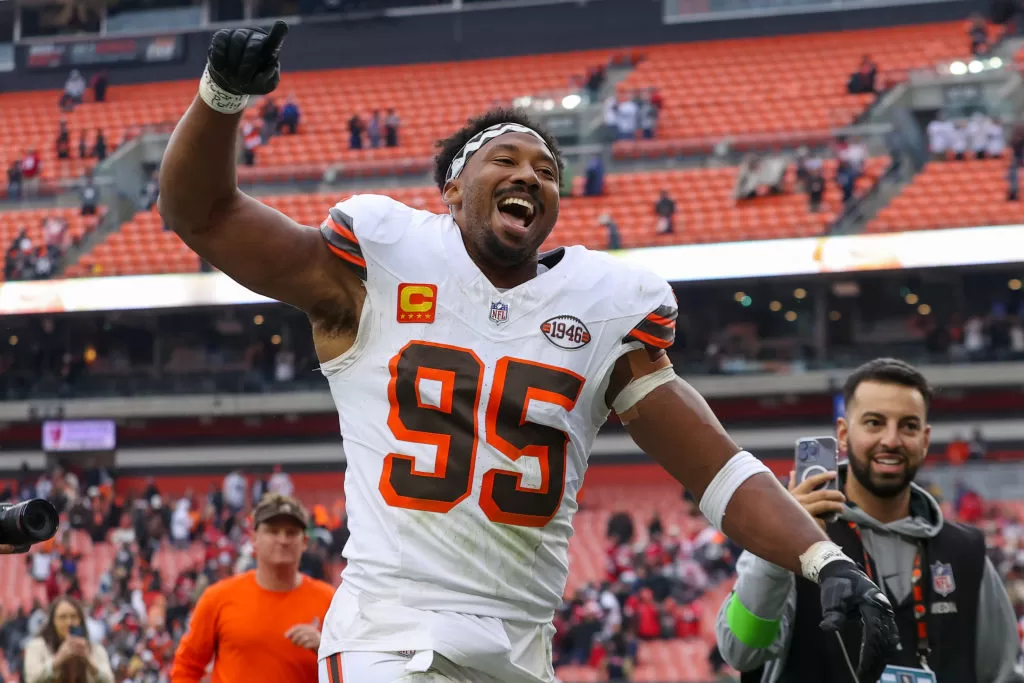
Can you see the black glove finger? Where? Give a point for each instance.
(272, 45)
(217, 54)
(833, 621)
(880, 640)
(243, 43)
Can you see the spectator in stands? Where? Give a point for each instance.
(619, 656)
(251, 140)
(74, 90)
(234, 488)
(977, 448)
(977, 34)
(391, 126)
(995, 138)
(648, 117)
(269, 114)
(373, 129)
(959, 143)
(151, 191)
(665, 209)
(940, 136)
(289, 121)
(611, 119)
(63, 144)
(14, 179)
(863, 79)
(99, 83)
(89, 194)
(281, 483)
(63, 653)
(83, 146)
(266, 620)
(355, 132)
(99, 147)
(31, 172)
(846, 179)
(593, 184)
(626, 113)
(614, 237)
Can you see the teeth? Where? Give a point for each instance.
(518, 202)
(888, 461)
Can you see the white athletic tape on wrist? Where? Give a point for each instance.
(218, 98)
(817, 556)
(639, 388)
(719, 492)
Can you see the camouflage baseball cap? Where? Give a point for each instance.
(276, 505)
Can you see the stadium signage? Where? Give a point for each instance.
(681, 263)
(141, 50)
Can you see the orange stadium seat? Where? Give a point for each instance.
(764, 85)
(778, 85)
(706, 212)
(952, 194)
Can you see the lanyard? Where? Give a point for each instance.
(917, 593)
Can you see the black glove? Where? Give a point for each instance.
(847, 591)
(243, 61)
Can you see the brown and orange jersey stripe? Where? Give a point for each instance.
(658, 329)
(341, 239)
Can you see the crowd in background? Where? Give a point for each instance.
(655, 576)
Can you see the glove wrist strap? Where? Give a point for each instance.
(819, 555)
(219, 99)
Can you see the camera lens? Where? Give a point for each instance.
(39, 519)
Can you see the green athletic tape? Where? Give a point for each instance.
(750, 629)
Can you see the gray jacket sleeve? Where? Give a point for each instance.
(998, 645)
(768, 592)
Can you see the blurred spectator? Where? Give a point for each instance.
(940, 136)
(289, 121)
(269, 114)
(235, 487)
(626, 113)
(31, 172)
(614, 238)
(63, 651)
(815, 190)
(74, 90)
(83, 146)
(355, 132)
(151, 191)
(280, 483)
(63, 144)
(373, 129)
(593, 185)
(956, 450)
(251, 140)
(14, 179)
(89, 194)
(757, 172)
(99, 147)
(977, 447)
(611, 119)
(391, 126)
(648, 118)
(977, 34)
(665, 209)
(99, 83)
(863, 79)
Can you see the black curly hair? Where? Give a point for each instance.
(450, 146)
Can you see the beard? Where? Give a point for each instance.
(882, 487)
(501, 254)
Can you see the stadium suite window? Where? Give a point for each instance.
(127, 6)
(58, 19)
(6, 22)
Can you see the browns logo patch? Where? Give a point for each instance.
(566, 332)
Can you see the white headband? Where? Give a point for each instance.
(481, 139)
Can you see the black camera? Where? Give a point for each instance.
(24, 524)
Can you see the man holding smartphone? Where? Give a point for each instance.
(955, 619)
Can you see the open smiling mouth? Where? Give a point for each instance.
(517, 211)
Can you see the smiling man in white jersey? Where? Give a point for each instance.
(471, 375)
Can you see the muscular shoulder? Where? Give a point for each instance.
(373, 217)
(622, 289)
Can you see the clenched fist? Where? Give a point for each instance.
(244, 61)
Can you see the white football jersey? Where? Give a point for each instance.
(468, 413)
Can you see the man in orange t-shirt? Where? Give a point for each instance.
(261, 626)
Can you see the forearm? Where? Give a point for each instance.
(766, 520)
(197, 176)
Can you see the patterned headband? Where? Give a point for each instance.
(481, 139)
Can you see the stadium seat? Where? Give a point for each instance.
(774, 86)
(706, 212)
(952, 194)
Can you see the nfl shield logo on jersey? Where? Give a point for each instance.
(499, 312)
(942, 578)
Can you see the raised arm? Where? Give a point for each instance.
(255, 245)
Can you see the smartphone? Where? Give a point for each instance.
(817, 455)
(77, 631)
